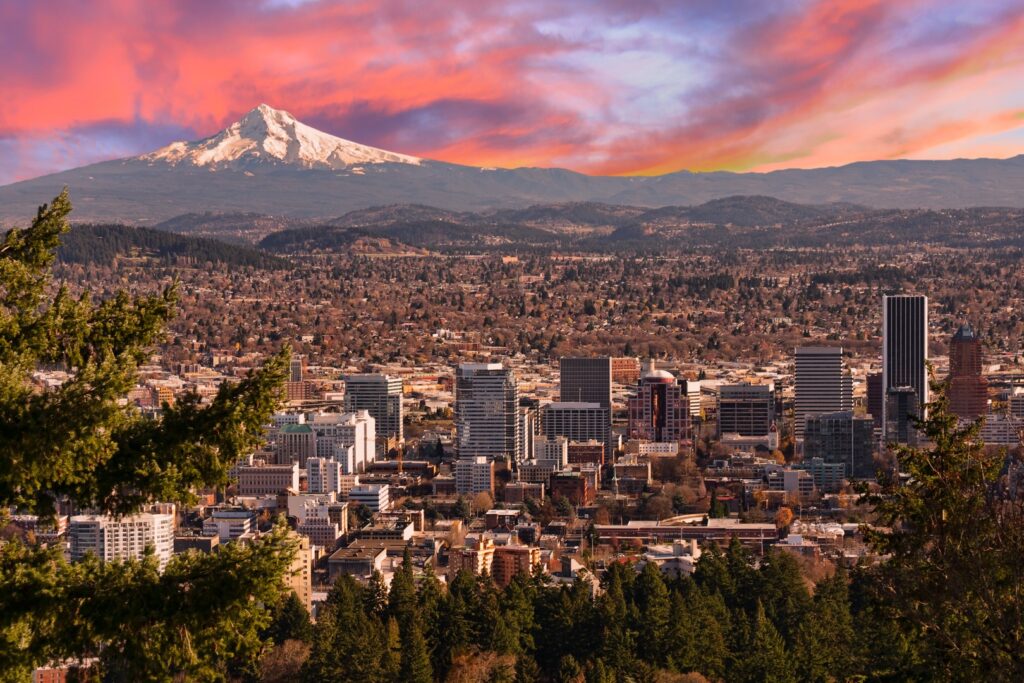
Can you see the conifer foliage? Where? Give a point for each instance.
(202, 617)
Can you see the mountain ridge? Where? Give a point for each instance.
(269, 163)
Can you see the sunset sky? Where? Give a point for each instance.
(616, 87)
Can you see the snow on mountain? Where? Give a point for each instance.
(271, 135)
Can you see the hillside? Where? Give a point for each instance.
(103, 244)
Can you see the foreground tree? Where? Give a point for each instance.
(955, 575)
(203, 615)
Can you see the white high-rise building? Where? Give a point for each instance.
(381, 396)
(904, 361)
(822, 385)
(553, 452)
(474, 475)
(111, 538)
(487, 412)
(335, 433)
(324, 475)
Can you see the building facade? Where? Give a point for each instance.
(659, 410)
(126, 538)
(842, 437)
(487, 412)
(904, 361)
(822, 385)
(381, 397)
(474, 475)
(968, 388)
(746, 409)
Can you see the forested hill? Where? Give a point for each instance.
(102, 244)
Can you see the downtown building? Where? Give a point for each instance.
(381, 397)
(904, 365)
(123, 538)
(842, 438)
(589, 380)
(822, 385)
(487, 420)
(968, 388)
(660, 409)
(746, 409)
(349, 438)
(579, 423)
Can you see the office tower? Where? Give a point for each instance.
(746, 409)
(822, 386)
(297, 369)
(904, 357)
(381, 396)
(577, 422)
(659, 410)
(842, 437)
(553, 453)
(875, 398)
(968, 389)
(588, 380)
(323, 475)
(528, 417)
(294, 443)
(901, 405)
(300, 576)
(487, 411)
(349, 438)
(122, 538)
(474, 475)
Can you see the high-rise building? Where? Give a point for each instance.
(527, 427)
(381, 396)
(474, 475)
(576, 422)
(588, 380)
(349, 438)
(376, 497)
(553, 453)
(904, 358)
(968, 389)
(746, 409)
(875, 398)
(122, 538)
(487, 412)
(660, 408)
(324, 475)
(822, 385)
(842, 437)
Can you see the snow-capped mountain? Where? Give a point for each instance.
(269, 163)
(271, 135)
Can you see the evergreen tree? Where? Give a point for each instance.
(415, 666)
(290, 621)
(766, 660)
(652, 602)
(826, 637)
(347, 644)
(375, 596)
(784, 593)
(954, 538)
(81, 442)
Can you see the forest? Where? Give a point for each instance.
(91, 244)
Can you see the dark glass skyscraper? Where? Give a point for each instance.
(904, 356)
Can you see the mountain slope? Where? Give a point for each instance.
(269, 163)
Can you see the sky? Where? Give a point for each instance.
(603, 87)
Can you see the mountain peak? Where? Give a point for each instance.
(266, 135)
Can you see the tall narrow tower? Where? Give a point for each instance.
(968, 389)
(904, 359)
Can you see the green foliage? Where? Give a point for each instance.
(954, 579)
(203, 616)
(103, 244)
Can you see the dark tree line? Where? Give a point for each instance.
(102, 244)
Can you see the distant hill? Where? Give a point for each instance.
(268, 163)
(228, 227)
(103, 244)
